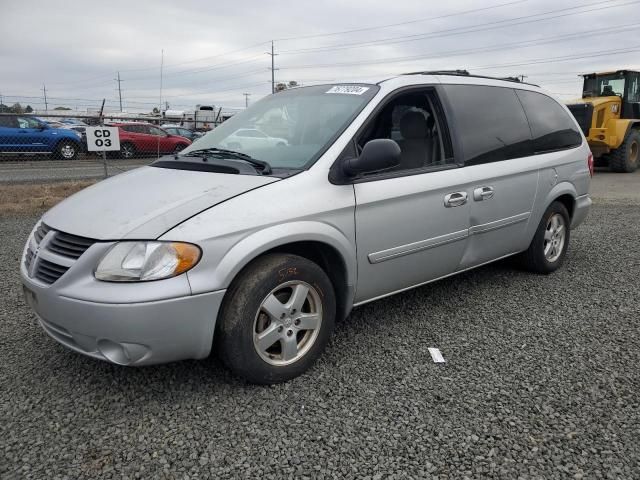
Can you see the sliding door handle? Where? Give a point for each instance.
(455, 199)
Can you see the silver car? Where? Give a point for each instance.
(253, 253)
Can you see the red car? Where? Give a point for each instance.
(142, 138)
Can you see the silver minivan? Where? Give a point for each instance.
(252, 248)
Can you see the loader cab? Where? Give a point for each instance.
(624, 84)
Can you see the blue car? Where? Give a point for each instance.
(27, 134)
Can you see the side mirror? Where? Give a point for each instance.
(378, 154)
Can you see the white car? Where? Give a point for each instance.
(249, 138)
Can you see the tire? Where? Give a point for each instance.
(127, 150)
(625, 159)
(258, 326)
(542, 256)
(67, 150)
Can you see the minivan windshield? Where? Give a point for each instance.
(289, 129)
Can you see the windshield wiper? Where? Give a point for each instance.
(261, 165)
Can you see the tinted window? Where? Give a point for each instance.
(156, 131)
(551, 126)
(490, 123)
(7, 122)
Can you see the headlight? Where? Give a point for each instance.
(143, 261)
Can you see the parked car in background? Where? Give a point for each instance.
(252, 138)
(254, 254)
(182, 132)
(82, 130)
(144, 138)
(74, 121)
(27, 134)
(55, 123)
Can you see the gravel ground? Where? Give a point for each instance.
(541, 381)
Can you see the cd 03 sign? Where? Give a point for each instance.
(103, 139)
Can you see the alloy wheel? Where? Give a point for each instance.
(287, 323)
(554, 237)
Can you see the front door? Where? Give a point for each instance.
(409, 230)
(411, 221)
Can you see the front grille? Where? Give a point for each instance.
(62, 244)
(49, 272)
(40, 232)
(70, 246)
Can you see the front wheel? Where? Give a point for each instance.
(67, 150)
(549, 246)
(276, 319)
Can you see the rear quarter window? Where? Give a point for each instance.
(489, 122)
(551, 126)
(8, 122)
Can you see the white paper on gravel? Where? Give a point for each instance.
(436, 355)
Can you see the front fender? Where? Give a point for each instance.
(217, 270)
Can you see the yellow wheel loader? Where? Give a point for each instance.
(609, 115)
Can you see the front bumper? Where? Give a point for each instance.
(127, 324)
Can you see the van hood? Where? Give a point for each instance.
(146, 202)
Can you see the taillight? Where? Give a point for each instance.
(590, 163)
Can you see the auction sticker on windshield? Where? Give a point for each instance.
(348, 89)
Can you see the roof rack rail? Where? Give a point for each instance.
(441, 72)
(465, 73)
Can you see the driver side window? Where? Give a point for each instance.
(412, 121)
(25, 122)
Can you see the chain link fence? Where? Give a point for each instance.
(53, 146)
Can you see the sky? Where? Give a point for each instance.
(212, 53)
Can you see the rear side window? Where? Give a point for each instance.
(490, 123)
(551, 126)
(7, 121)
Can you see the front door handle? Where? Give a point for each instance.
(482, 193)
(455, 199)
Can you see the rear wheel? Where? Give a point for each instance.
(625, 159)
(549, 246)
(66, 150)
(276, 319)
(127, 150)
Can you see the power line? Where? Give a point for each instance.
(389, 25)
(464, 30)
(489, 48)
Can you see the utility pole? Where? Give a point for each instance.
(119, 90)
(273, 68)
(246, 100)
(44, 90)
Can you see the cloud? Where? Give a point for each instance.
(215, 51)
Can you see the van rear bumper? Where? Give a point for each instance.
(581, 210)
